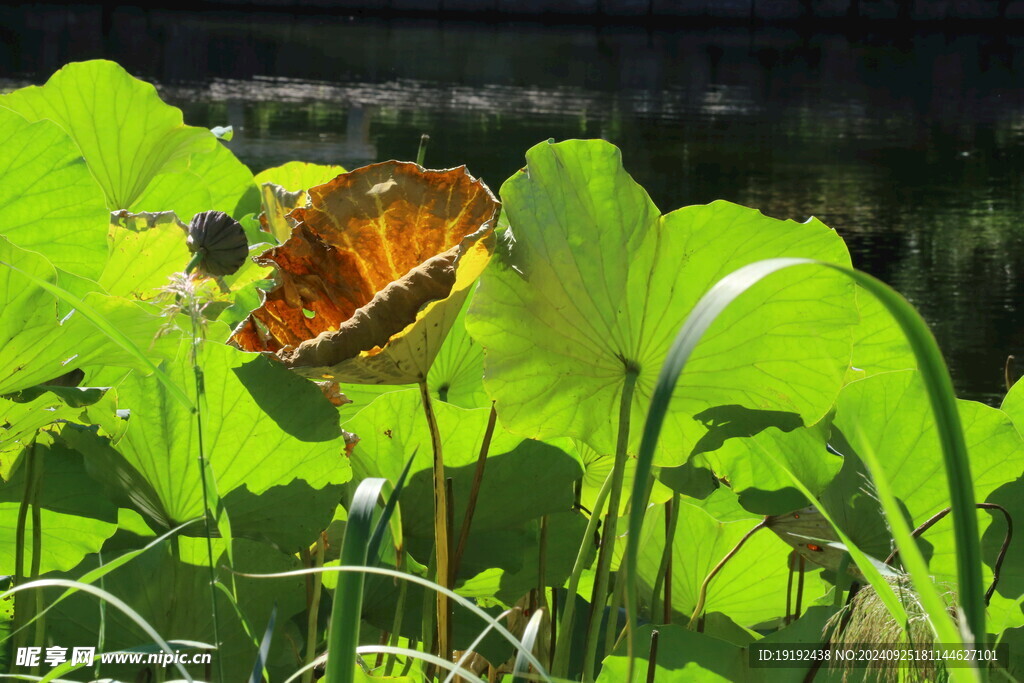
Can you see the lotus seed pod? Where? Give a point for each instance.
(221, 241)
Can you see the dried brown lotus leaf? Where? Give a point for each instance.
(374, 273)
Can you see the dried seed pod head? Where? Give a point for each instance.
(220, 240)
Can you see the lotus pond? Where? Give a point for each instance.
(390, 422)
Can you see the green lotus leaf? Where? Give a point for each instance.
(512, 498)
(37, 343)
(132, 140)
(144, 250)
(52, 204)
(744, 446)
(750, 588)
(74, 521)
(592, 283)
(264, 427)
(890, 414)
(685, 656)
(879, 345)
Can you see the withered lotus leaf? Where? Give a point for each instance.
(374, 273)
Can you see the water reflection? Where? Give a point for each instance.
(909, 145)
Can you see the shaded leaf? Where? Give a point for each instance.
(74, 520)
(890, 413)
(264, 428)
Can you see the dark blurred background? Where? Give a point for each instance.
(906, 137)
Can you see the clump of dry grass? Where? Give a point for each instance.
(869, 624)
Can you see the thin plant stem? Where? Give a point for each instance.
(20, 610)
(560, 667)
(37, 546)
(664, 578)
(613, 607)
(652, 658)
(441, 551)
(703, 593)
(204, 469)
(799, 588)
(396, 624)
(1000, 556)
(474, 491)
(313, 610)
(604, 558)
(542, 564)
(421, 153)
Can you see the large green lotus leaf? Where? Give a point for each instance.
(744, 446)
(74, 521)
(126, 133)
(144, 250)
(750, 589)
(684, 656)
(288, 517)
(19, 422)
(592, 282)
(890, 414)
(174, 597)
(596, 470)
(512, 498)
(214, 180)
(1011, 496)
(52, 204)
(264, 427)
(299, 175)
(879, 344)
(36, 345)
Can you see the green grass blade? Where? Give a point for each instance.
(941, 397)
(468, 652)
(389, 509)
(110, 599)
(114, 334)
(346, 612)
(426, 583)
(258, 670)
(522, 665)
(422, 656)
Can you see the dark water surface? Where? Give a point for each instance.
(910, 144)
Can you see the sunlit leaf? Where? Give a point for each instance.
(132, 140)
(264, 426)
(51, 203)
(592, 284)
(750, 589)
(144, 250)
(375, 274)
(890, 414)
(36, 345)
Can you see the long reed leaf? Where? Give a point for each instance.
(941, 397)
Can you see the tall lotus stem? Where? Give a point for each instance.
(440, 527)
(604, 558)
